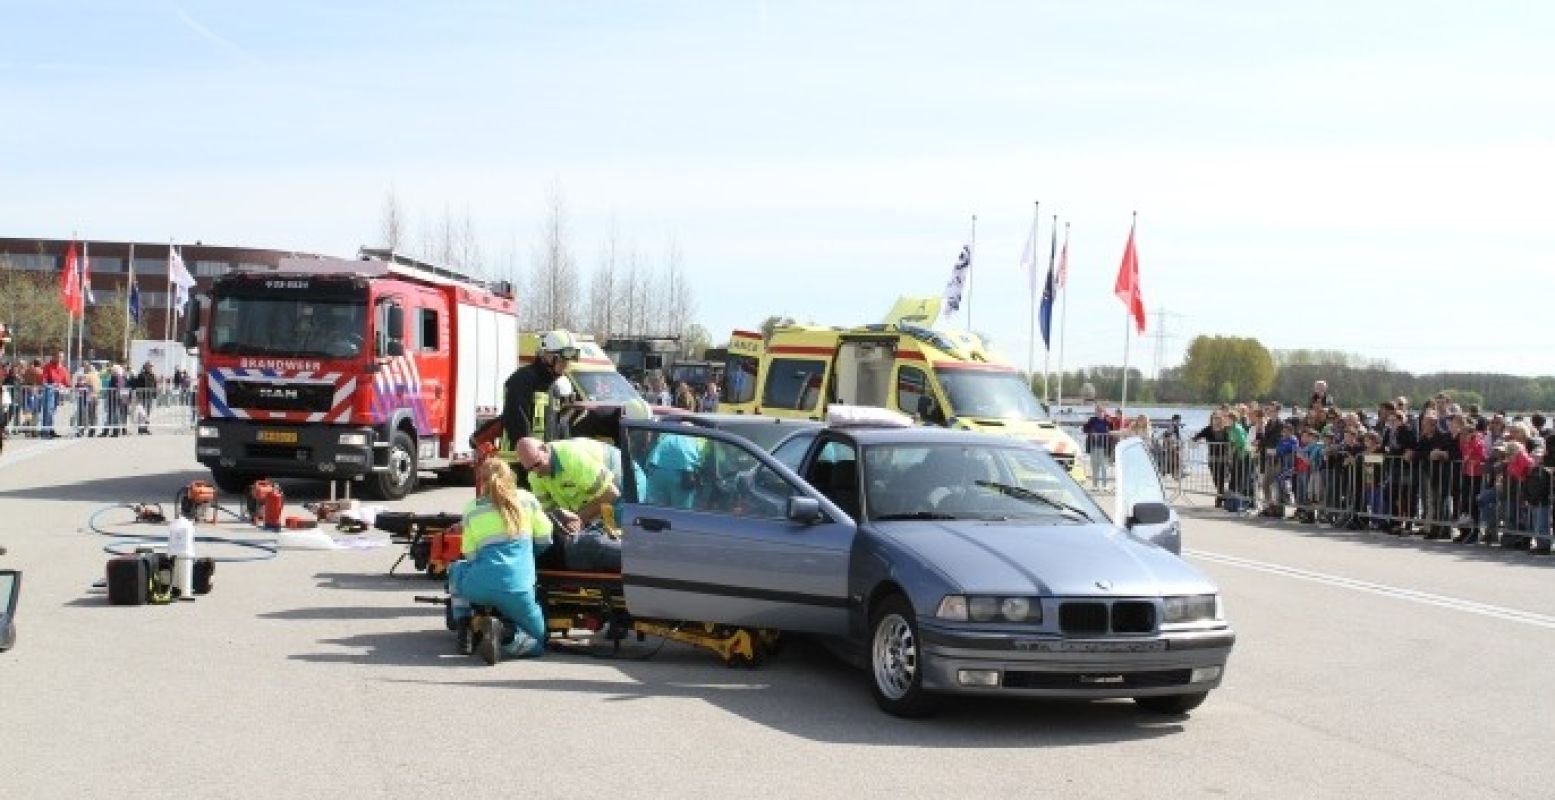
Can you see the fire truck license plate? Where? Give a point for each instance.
(278, 437)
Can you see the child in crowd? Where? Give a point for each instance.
(1373, 489)
(1285, 462)
(1514, 517)
(1540, 486)
(1308, 458)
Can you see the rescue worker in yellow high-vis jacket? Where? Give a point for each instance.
(574, 478)
(504, 531)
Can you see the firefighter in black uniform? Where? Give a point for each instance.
(557, 349)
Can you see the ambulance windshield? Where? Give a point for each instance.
(602, 385)
(289, 326)
(996, 395)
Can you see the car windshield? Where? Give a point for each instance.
(983, 393)
(289, 327)
(602, 385)
(992, 481)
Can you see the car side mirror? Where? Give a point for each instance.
(1150, 514)
(804, 510)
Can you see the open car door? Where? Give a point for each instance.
(720, 532)
(1139, 482)
(10, 593)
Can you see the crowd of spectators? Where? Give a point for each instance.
(101, 398)
(1442, 470)
(655, 389)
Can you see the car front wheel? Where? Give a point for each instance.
(896, 660)
(1172, 703)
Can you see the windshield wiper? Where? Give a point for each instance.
(916, 515)
(1022, 493)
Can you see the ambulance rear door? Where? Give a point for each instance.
(742, 373)
(794, 376)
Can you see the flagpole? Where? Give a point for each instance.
(167, 315)
(971, 259)
(1047, 352)
(70, 313)
(1063, 316)
(86, 250)
(1127, 334)
(1031, 281)
(129, 289)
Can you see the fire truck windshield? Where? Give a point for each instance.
(289, 326)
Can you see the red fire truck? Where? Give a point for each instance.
(370, 370)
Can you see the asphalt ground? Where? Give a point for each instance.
(1365, 666)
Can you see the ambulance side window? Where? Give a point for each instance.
(428, 329)
(793, 383)
(912, 390)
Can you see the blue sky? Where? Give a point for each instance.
(1362, 176)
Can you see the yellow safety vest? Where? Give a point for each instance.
(483, 523)
(578, 476)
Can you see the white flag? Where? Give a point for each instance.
(86, 273)
(959, 275)
(180, 277)
(1028, 258)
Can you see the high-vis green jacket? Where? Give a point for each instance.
(484, 524)
(578, 476)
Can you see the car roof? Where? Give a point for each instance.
(918, 434)
(719, 420)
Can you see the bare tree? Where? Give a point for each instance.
(630, 296)
(555, 289)
(467, 248)
(602, 286)
(392, 232)
(679, 304)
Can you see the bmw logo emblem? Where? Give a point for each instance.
(1105, 586)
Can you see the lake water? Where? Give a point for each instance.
(1193, 417)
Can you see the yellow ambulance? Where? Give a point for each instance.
(938, 376)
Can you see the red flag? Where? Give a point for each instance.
(1127, 286)
(70, 284)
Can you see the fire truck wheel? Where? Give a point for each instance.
(400, 478)
(231, 481)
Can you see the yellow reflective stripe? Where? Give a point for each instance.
(601, 481)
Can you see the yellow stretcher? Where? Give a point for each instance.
(595, 601)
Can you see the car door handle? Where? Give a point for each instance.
(653, 524)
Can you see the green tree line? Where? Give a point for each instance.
(31, 310)
(1227, 368)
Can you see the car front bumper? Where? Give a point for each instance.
(1174, 663)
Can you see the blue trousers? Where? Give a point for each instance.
(519, 608)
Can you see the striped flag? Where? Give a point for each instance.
(1063, 260)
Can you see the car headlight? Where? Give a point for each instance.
(207, 432)
(353, 440)
(1191, 608)
(989, 609)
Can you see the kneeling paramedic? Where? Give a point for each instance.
(574, 478)
(504, 530)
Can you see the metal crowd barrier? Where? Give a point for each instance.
(45, 410)
(1493, 502)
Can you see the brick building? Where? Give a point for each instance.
(109, 271)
